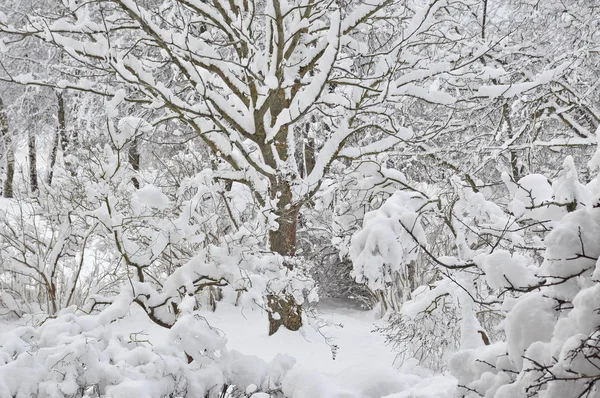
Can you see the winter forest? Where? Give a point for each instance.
(299, 198)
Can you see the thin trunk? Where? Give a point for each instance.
(53, 308)
(60, 133)
(66, 141)
(7, 191)
(53, 157)
(33, 177)
(10, 168)
(134, 160)
(62, 123)
(309, 150)
(484, 21)
(484, 337)
(514, 166)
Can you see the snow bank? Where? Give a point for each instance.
(365, 381)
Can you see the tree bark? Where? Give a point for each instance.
(62, 123)
(284, 310)
(53, 157)
(59, 137)
(513, 158)
(309, 150)
(283, 240)
(33, 177)
(134, 160)
(66, 142)
(7, 190)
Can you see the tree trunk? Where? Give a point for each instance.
(53, 157)
(513, 158)
(134, 160)
(51, 292)
(284, 310)
(7, 190)
(283, 240)
(62, 123)
(66, 142)
(309, 150)
(60, 137)
(33, 177)
(10, 168)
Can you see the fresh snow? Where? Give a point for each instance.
(361, 365)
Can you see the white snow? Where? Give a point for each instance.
(363, 366)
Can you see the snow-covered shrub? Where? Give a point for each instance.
(78, 355)
(45, 245)
(458, 306)
(108, 234)
(552, 325)
(552, 332)
(336, 215)
(384, 251)
(11, 308)
(427, 328)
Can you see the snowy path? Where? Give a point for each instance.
(363, 367)
(247, 332)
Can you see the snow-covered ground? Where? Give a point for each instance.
(363, 365)
(350, 329)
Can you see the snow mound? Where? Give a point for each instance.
(365, 381)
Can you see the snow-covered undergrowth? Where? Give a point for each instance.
(514, 308)
(119, 353)
(551, 308)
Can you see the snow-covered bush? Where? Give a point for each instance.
(551, 347)
(78, 355)
(385, 251)
(552, 331)
(459, 306)
(427, 327)
(109, 244)
(337, 214)
(46, 244)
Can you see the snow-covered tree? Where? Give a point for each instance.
(161, 156)
(256, 80)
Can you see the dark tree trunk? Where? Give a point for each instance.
(513, 157)
(309, 150)
(284, 310)
(283, 240)
(60, 138)
(62, 123)
(134, 160)
(10, 169)
(289, 314)
(33, 177)
(7, 190)
(53, 155)
(66, 142)
(52, 307)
